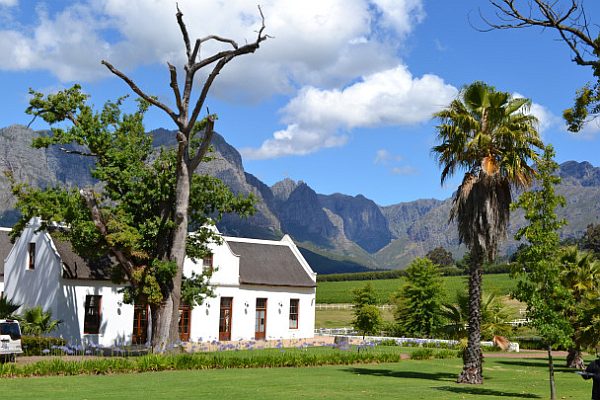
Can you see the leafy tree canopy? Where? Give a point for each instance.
(133, 200)
(418, 304)
(440, 256)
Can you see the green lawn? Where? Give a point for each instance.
(505, 378)
(341, 292)
(342, 318)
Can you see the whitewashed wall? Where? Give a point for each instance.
(39, 286)
(205, 318)
(116, 321)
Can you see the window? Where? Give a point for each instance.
(207, 263)
(140, 324)
(294, 308)
(91, 322)
(185, 315)
(31, 251)
(260, 322)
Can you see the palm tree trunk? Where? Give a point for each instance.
(472, 356)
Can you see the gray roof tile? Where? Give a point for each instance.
(76, 267)
(270, 264)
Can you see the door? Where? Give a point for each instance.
(140, 324)
(260, 325)
(185, 314)
(225, 318)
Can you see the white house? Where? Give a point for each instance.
(5, 247)
(264, 290)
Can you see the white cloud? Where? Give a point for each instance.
(546, 119)
(8, 3)
(386, 98)
(590, 130)
(319, 43)
(405, 170)
(384, 157)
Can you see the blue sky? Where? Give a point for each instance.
(340, 98)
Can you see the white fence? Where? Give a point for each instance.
(350, 334)
(345, 306)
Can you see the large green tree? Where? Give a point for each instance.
(569, 20)
(419, 301)
(538, 269)
(129, 214)
(193, 142)
(491, 136)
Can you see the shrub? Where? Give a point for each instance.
(424, 353)
(35, 345)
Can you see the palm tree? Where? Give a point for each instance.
(36, 321)
(7, 307)
(492, 137)
(580, 274)
(495, 317)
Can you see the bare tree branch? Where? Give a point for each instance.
(140, 93)
(90, 200)
(206, 140)
(571, 24)
(175, 86)
(184, 32)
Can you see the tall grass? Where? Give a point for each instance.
(264, 358)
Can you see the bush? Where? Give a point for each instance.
(269, 358)
(424, 353)
(35, 345)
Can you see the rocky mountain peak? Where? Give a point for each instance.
(582, 173)
(283, 189)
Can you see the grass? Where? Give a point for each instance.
(341, 292)
(342, 318)
(505, 378)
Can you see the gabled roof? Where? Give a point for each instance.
(76, 267)
(5, 247)
(272, 264)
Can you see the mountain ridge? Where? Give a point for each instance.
(338, 232)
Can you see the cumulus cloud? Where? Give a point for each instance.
(317, 118)
(318, 43)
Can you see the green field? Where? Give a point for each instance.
(341, 292)
(505, 378)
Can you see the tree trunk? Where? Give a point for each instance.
(180, 232)
(472, 356)
(575, 358)
(551, 371)
(161, 321)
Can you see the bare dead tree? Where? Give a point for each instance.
(569, 19)
(571, 23)
(185, 117)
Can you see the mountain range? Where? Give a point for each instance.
(336, 232)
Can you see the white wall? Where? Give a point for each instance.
(116, 321)
(243, 313)
(39, 286)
